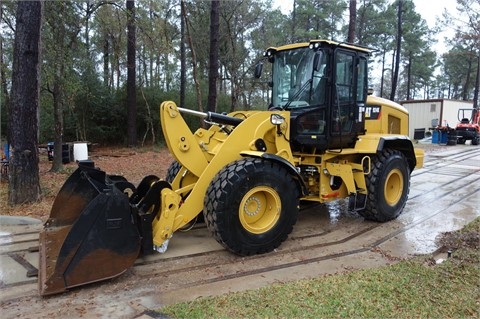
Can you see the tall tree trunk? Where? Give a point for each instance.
(106, 59)
(58, 82)
(233, 91)
(151, 58)
(399, 46)
(194, 62)
(87, 28)
(466, 86)
(213, 57)
(409, 74)
(383, 73)
(360, 31)
(294, 21)
(3, 77)
(183, 59)
(352, 22)
(57, 164)
(24, 177)
(131, 88)
(392, 64)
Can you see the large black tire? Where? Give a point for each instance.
(251, 206)
(388, 185)
(172, 171)
(451, 139)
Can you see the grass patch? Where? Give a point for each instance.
(416, 288)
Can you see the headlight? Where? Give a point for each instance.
(277, 119)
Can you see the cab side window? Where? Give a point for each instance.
(320, 78)
(345, 100)
(344, 76)
(362, 85)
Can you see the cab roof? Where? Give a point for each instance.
(324, 43)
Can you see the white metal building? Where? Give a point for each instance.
(427, 114)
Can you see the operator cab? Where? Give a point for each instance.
(324, 86)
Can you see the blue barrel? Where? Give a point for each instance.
(443, 137)
(435, 137)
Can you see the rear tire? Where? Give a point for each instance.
(476, 140)
(251, 206)
(388, 185)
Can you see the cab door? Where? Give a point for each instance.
(349, 94)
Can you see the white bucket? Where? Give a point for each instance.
(80, 151)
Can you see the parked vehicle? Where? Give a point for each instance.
(323, 138)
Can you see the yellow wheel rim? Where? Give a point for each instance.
(393, 187)
(260, 209)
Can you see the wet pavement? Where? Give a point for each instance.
(444, 196)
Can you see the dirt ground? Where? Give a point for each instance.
(130, 163)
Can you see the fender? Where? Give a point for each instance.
(375, 142)
(302, 187)
(404, 145)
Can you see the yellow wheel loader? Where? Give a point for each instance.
(323, 138)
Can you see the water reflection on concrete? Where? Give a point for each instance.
(422, 237)
(338, 210)
(335, 209)
(18, 220)
(444, 207)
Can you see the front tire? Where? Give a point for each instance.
(251, 206)
(388, 185)
(172, 171)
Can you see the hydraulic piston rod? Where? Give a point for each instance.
(213, 117)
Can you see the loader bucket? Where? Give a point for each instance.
(90, 235)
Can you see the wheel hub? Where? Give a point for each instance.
(393, 187)
(252, 206)
(260, 209)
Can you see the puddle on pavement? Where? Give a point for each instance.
(5, 238)
(335, 210)
(339, 209)
(18, 220)
(422, 238)
(414, 240)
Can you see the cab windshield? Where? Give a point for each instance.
(296, 80)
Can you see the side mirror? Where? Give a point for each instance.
(317, 61)
(258, 70)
